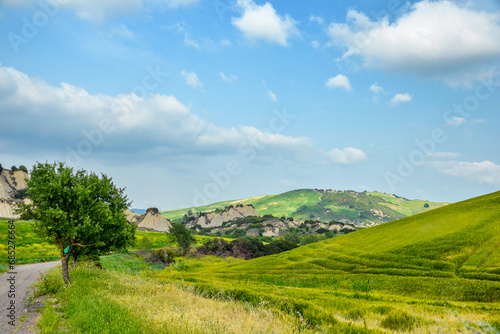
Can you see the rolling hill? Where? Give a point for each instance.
(359, 208)
(434, 271)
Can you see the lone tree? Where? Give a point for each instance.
(180, 234)
(79, 211)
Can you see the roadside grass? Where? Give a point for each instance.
(105, 301)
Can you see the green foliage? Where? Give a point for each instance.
(48, 284)
(180, 234)
(13, 168)
(426, 205)
(245, 248)
(1, 168)
(23, 168)
(77, 209)
(292, 236)
(398, 321)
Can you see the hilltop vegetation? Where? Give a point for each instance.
(407, 274)
(359, 208)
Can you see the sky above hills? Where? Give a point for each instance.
(188, 102)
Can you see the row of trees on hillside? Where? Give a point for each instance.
(14, 168)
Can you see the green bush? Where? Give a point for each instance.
(48, 284)
(398, 321)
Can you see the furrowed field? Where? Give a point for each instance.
(438, 272)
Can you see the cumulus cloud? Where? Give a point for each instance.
(376, 88)
(228, 78)
(262, 22)
(37, 115)
(483, 172)
(339, 81)
(191, 79)
(272, 96)
(347, 156)
(398, 98)
(441, 39)
(443, 155)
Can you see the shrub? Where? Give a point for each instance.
(48, 284)
(13, 168)
(398, 321)
(426, 205)
(161, 256)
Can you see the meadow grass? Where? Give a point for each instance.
(425, 266)
(29, 247)
(109, 301)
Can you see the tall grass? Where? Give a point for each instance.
(112, 302)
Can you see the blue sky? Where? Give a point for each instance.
(188, 102)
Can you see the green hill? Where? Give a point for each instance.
(359, 208)
(435, 271)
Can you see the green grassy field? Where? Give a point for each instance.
(305, 204)
(29, 247)
(32, 249)
(439, 270)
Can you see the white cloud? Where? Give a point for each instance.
(191, 79)
(376, 88)
(122, 31)
(272, 96)
(315, 44)
(484, 172)
(443, 155)
(347, 156)
(262, 22)
(228, 78)
(434, 38)
(191, 42)
(318, 19)
(53, 118)
(98, 10)
(339, 81)
(398, 98)
(456, 121)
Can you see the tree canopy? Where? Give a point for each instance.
(77, 209)
(180, 234)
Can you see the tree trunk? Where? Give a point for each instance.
(64, 261)
(75, 257)
(65, 269)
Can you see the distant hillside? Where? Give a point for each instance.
(350, 207)
(432, 272)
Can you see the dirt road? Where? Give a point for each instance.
(15, 291)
